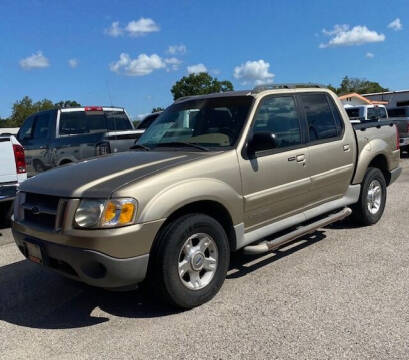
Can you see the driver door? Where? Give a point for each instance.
(276, 181)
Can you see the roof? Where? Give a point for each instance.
(215, 95)
(360, 97)
(387, 92)
(259, 90)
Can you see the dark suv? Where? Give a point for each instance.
(61, 136)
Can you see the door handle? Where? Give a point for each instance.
(300, 158)
(346, 147)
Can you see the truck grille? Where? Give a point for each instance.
(42, 210)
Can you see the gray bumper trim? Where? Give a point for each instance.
(89, 266)
(395, 173)
(8, 192)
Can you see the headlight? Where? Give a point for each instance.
(105, 213)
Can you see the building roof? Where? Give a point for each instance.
(387, 92)
(360, 97)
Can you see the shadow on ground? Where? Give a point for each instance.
(35, 297)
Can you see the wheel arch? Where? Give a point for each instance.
(211, 208)
(368, 159)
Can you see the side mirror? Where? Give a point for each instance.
(260, 141)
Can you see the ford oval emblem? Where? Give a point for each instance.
(35, 210)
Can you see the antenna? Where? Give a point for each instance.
(109, 92)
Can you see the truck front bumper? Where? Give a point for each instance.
(89, 266)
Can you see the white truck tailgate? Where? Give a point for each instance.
(8, 171)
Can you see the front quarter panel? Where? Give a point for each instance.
(186, 192)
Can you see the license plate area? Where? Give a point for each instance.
(34, 252)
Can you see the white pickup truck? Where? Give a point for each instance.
(12, 172)
(364, 113)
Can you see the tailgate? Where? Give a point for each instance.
(122, 140)
(8, 171)
(402, 125)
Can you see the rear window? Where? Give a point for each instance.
(117, 120)
(85, 122)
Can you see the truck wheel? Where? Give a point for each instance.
(39, 167)
(369, 209)
(190, 262)
(6, 210)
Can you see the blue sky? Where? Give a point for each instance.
(72, 49)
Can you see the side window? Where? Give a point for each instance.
(279, 116)
(337, 116)
(320, 121)
(41, 126)
(26, 131)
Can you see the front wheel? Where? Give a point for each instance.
(372, 199)
(191, 260)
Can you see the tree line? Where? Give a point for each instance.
(26, 106)
(193, 84)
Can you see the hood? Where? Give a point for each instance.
(100, 177)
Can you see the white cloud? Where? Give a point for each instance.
(141, 27)
(114, 30)
(73, 63)
(173, 63)
(177, 49)
(196, 69)
(134, 28)
(395, 25)
(35, 61)
(140, 66)
(342, 35)
(256, 72)
(369, 55)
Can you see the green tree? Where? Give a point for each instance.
(199, 84)
(157, 109)
(25, 107)
(67, 104)
(360, 86)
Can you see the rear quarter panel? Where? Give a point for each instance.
(373, 142)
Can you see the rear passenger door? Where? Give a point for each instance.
(331, 147)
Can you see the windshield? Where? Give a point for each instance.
(210, 123)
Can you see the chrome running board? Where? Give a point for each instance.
(266, 246)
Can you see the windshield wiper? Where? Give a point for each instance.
(182, 143)
(139, 146)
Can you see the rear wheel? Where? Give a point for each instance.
(6, 210)
(371, 204)
(190, 262)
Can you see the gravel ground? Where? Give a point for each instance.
(340, 294)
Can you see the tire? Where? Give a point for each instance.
(369, 211)
(6, 210)
(177, 251)
(39, 167)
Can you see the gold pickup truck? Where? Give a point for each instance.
(247, 170)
